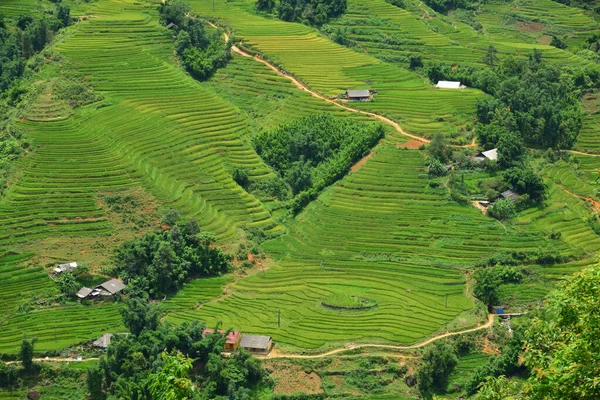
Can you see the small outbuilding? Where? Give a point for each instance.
(109, 288)
(84, 292)
(510, 195)
(171, 25)
(233, 339)
(491, 155)
(449, 85)
(257, 344)
(359, 95)
(67, 267)
(103, 341)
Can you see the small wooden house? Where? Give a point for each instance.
(103, 341)
(359, 95)
(510, 195)
(257, 344)
(450, 85)
(491, 155)
(233, 339)
(67, 267)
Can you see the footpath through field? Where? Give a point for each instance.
(301, 86)
(276, 354)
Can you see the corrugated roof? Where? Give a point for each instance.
(256, 342)
(113, 286)
(103, 341)
(232, 338)
(449, 85)
(84, 292)
(509, 194)
(358, 93)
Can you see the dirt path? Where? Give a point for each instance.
(583, 153)
(57, 359)
(303, 87)
(277, 354)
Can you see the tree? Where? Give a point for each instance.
(174, 11)
(171, 381)
(491, 57)
(562, 349)
(525, 181)
(95, 381)
(486, 286)
(438, 363)
(415, 62)
(68, 285)
(26, 354)
(171, 217)
(499, 388)
(139, 315)
(510, 148)
(265, 5)
(502, 209)
(437, 148)
(63, 14)
(436, 168)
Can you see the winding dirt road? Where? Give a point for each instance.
(303, 87)
(276, 354)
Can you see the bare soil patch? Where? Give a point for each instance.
(411, 145)
(591, 102)
(529, 26)
(545, 40)
(361, 163)
(290, 378)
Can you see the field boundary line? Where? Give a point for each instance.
(303, 87)
(276, 355)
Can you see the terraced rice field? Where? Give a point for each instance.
(381, 233)
(330, 69)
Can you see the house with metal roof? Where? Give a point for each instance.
(67, 267)
(358, 95)
(491, 155)
(84, 292)
(510, 195)
(103, 341)
(256, 344)
(449, 85)
(233, 338)
(109, 288)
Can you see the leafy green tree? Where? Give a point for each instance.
(95, 381)
(491, 56)
(9, 375)
(68, 285)
(525, 181)
(174, 12)
(499, 388)
(510, 149)
(438, 362)
(171, 381)
(171, 217)
(436, 168)
(26, 354)
(562, 349)
(415, 62)
(438, 148)
(502, 209)
(140, 315)
(63, 14)
(486, 285)
(265, 5)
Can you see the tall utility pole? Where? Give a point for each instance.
(279, 318)
(213, 5)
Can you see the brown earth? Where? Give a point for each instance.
(290, 378)
(529, 26)
(361, 163)
(411, 145)
(545, 40)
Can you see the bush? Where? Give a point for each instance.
(502, 209)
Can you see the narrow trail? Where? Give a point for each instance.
(303, 87)
(582, 153)
(57, 359)
(276, 354)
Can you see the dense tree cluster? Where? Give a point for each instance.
(160, 262)
(438, 363)
(537, 100)
(443, 6)
(311, 12)
(313, 152)
(162, 361)
(200, 52)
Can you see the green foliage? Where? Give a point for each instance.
(171, 218)
(265, 5)
(525, 181)
(486, 287)
(172, 380)
(499, 388)
(510, 149)
(68, 285)
(9, 374)
(95, 383)
(160, 262)
(438, 148)
(313, 152)
(241, 177)
(502, 209)
(159, 361)
(201, 53)
(561, 345)
(139, 315)
(444, 6)
(26, 354)
(436, 168)
(311, 12)
(439, 361)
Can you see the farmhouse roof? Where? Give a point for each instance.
(490, 154)
(84, 292)
(256, 342)
(509, 194)
(113, 286)
(232, 338)
(103, 341)
(449, 85)
(67, 267)
(358, 93)
(171, 25)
